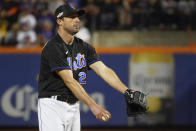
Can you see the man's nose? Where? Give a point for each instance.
(77, 19)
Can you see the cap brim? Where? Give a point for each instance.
(80, 12)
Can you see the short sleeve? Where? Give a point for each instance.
(92, 56)
(56, 57)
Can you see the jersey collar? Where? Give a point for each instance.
(60, 40)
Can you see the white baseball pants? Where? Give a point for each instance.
(56, 115)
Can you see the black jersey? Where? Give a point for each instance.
(55, 55)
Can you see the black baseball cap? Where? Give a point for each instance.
(66, 10)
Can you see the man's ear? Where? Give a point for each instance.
(58, 21)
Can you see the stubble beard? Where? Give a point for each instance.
(71, 31)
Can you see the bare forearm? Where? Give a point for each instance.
(113, 80)
(79, 92)
(75, 87)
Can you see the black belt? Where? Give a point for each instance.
(69, 99)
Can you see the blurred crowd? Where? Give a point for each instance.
(30, 23)
(141, 14)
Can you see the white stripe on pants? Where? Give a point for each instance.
(56, 115)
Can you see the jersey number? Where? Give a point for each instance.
(82, 78)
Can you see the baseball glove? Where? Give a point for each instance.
(136, 102)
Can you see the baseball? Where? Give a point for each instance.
(103, 118)
(107, 116)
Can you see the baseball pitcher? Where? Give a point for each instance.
(65, 60)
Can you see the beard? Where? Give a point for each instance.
(72, 31)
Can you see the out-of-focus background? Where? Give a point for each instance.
(150, 44)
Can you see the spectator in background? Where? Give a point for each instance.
(84, 32)
(124, 15)
(28, 18)
(53, 4)
(26, 37)
(108, 15)
(11, 37)
(140, 14)
(154, 14)
(101, 14)
(40, 5)
(45, 27)
(3, 24)
(169, 19)
(44, 16)
(45, 32)
(185, 14)
(92, 15)
(186, 9)
(11, 8)
(192, 20)
(26, 5)
(193, 16)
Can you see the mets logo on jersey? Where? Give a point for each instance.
(79, 63)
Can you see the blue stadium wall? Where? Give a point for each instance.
(18, 91)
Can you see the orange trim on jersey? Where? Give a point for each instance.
(111, 50)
